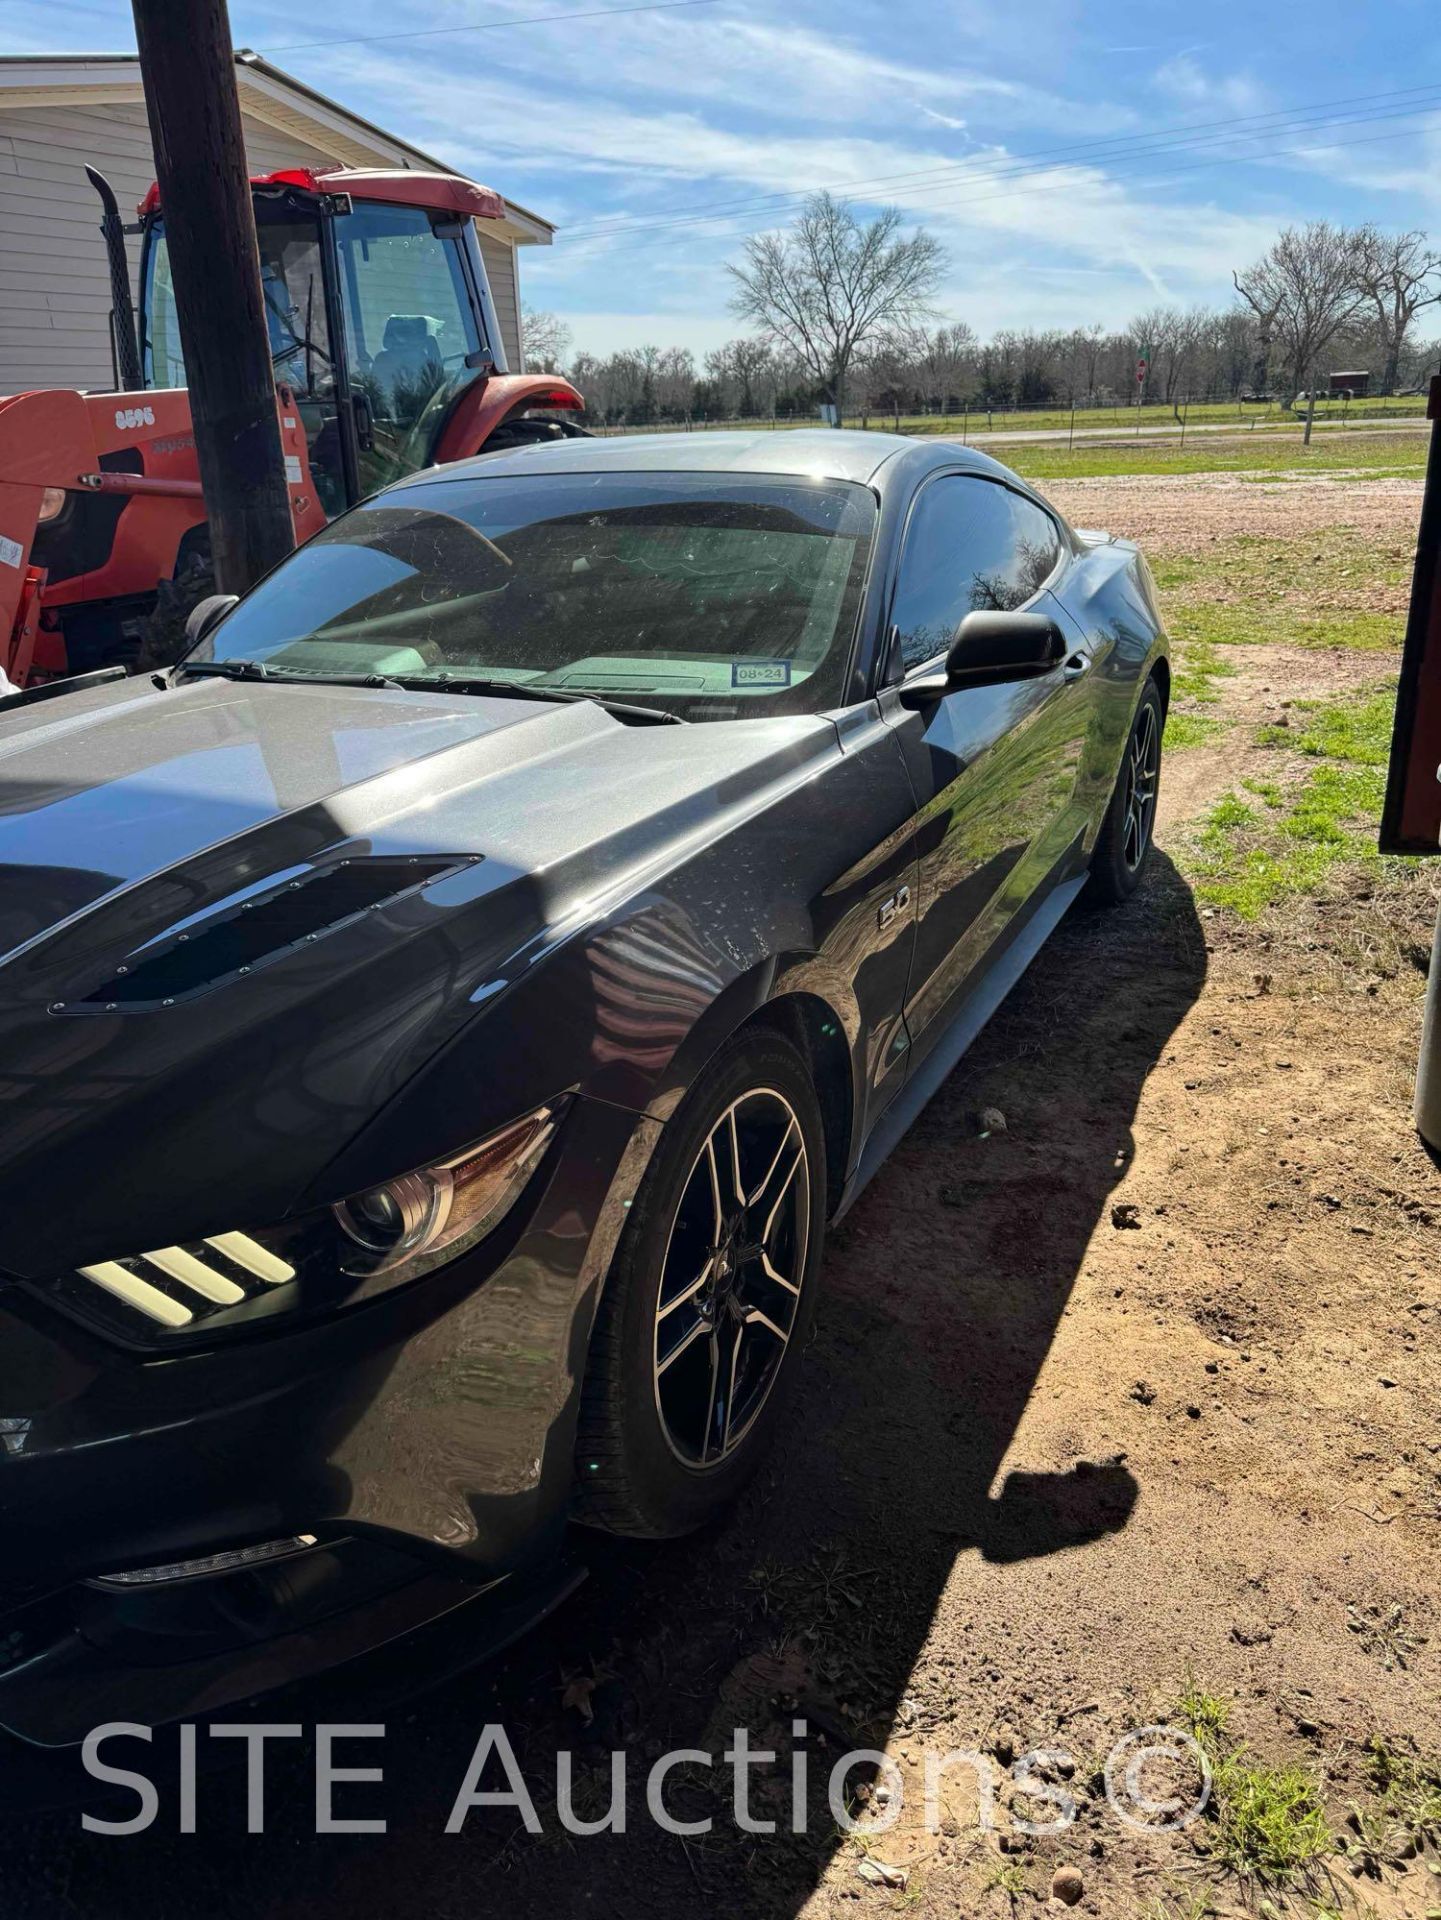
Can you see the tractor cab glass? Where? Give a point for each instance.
(293, 294)
(411, 335)
(395, 287)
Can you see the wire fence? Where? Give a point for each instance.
(1153, 419)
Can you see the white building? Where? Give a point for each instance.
(60, 111)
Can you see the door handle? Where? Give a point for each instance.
(1078, 664)
(364, 421)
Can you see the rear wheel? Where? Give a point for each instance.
(175, 600)
(709, 1299)
(529, 431)
(1124, 844)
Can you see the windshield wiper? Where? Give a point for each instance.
(257, 670)
(225, 669)
(527, 690)
(433, 683)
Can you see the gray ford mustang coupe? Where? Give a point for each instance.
(439, 1018)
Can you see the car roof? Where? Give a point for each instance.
(824, 453)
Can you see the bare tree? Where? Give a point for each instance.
(1229, 350)
(738, 370)
(751, 362)
(546, 339)
(1303, 290)
(886, 369)
(675, 382)
(1082, 348)
(948, 364)
(1173, 338)
(1399, 274)
(1264, 294)
(831, 284)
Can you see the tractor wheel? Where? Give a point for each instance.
(164, 640)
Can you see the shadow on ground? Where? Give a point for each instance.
(944, 1291)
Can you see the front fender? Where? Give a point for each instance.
(480, 409)
(626, 1007)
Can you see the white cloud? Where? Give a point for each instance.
(1184, 79)
(1409, 180)
(744, 107)
(999, 228)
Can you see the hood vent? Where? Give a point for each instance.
(245, 935)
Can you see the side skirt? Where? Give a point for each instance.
(1000, 976)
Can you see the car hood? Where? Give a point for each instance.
(235, 918)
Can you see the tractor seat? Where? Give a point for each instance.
(408, 353)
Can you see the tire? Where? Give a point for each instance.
(175, 600)
(1124, 844)
(697, 1290)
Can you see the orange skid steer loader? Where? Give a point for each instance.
(387, 356)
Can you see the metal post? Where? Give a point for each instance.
(1397, 834)
(1426, 1108)
(187, 65)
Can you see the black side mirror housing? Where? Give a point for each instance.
(1004, 646)
(206, 615)
(989, 648)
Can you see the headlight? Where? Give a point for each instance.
(410, 1221)
(315, 1262)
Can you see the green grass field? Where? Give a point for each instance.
(1377, 454)
(1249, 856)
(1320, 590)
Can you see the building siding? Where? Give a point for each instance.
(54, 284)
(499, 259)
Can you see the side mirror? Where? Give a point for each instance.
(1003, 646)
(990, 648)
(206, 615)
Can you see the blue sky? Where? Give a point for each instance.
(1079, 162)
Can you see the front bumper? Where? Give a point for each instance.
(424, 1440)
(459, 1627)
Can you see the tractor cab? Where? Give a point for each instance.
(378, 310)
(388, 358)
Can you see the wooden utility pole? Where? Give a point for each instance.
(188, 66)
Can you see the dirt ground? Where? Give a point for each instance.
(1132, 1387)
(1189, 512)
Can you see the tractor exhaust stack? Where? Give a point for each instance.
(124, 344)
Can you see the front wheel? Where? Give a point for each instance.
(1124, 843)
(709, 1299)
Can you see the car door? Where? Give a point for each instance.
(302, 350)
(995, 769)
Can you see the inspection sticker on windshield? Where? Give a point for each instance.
(11, 551)
(760, 673)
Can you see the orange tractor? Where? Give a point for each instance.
(387, 357)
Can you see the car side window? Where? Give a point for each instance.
(970, 544)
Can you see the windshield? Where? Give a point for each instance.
(707, 595)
